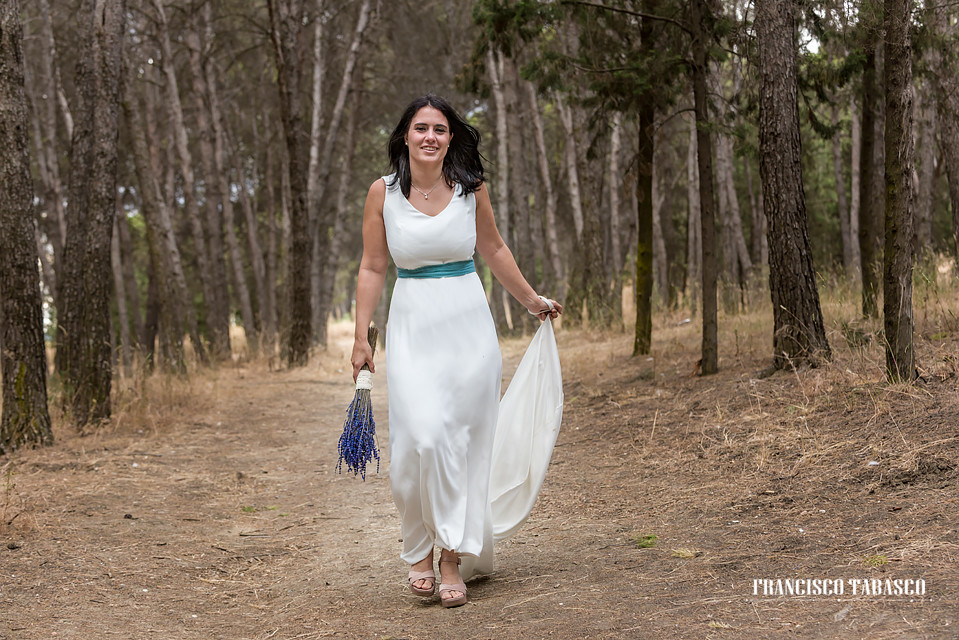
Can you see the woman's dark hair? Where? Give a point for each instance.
(463, 163)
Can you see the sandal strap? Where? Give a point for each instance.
(459, 586)
(457, 560)
(422, 575)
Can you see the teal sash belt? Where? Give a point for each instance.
(447, 270)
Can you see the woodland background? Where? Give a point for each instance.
(190, 166)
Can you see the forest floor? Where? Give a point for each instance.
(210, 508)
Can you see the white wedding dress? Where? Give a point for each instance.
(465, 468)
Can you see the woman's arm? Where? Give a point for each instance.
(497, 255)
(372, 274)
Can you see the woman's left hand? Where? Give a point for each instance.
(544, 309)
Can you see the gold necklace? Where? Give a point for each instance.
(426, 194)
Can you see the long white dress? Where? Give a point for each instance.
(443, 375)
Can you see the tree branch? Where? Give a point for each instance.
(637, 14)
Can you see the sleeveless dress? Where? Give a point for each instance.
(443, 375)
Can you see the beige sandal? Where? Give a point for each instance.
(416, 576)
(459, 586)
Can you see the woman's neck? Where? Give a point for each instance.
(425, 175)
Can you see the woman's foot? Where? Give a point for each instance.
(422, 579)
(452, 589)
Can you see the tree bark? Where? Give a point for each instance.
(660, 254)
(855, 186)
(759, 244)
(216, 190)
(286, 20)
(129, 278)
(321, 217)
(572, 170)
(209, 70)
(741, 263)
(217, 316)
(704, 156)
(798, 333)
(257, 264)
(947, 104)
(694, 238)
(86, 281)
(520, 190)
(269, 301)
(23, 360)
(119, 285)
(549, 224)
(927, 166)
(498, 295)
(646, 112)
(900, 163)
(615, 187)
(837, 165)
(172, 301)
(339, 219)
(46, 105)
(869, 204)
(173, 271)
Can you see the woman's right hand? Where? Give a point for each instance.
(362, 354)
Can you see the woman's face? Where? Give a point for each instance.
(429, 136)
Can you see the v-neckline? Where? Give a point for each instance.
(438, 213)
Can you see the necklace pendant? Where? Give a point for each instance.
(426, 196)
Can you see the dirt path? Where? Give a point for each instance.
(226, 520)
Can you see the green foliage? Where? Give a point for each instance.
(611, 60)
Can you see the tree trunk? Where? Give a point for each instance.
(169, 283)
(660, 255)
(549, 224)
(86, 282)
(694, 238)
(869, 206)
(837, 166)
(498, 301)
(253, 244)
(23, 359)
(151, 319)
(209, 73)
(269, 302)
(321, 219)
(119, 285)
(520, 189)
(284, 250)
(342, 206)
(759, 244)
(47, 157)
(217, 317)
(129, 278)
(216, 190)
(615, 187)
(798, 332)
(947, 103)
(704, 156)
(642, 341)
(570, 151)
(167, 241)
(927, 166)
(286, 20)
(897, 261)
(742, 263)
(855, 186)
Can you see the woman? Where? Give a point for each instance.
(444, 359)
